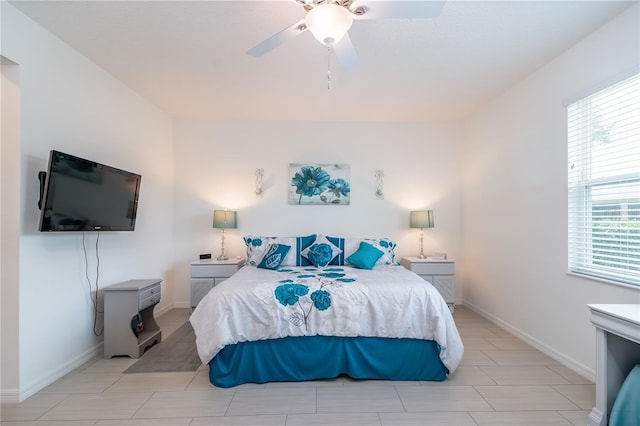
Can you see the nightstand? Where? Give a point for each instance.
(123, 302)
(206, 274)
(440, 273)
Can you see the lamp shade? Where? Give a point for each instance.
(225, 219)
(329, 22)
(421, 219)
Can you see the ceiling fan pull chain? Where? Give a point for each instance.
(328, 67)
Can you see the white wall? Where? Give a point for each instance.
(515, 201)
(9, 225)
(69, 104)
(215, 168)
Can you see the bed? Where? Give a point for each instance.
(294, 319)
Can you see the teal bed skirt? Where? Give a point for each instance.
(626, 408)
(293, 359)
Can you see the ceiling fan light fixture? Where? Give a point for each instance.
(329, 22)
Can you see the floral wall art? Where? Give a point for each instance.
(320, 184)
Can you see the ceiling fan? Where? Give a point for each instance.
(329, 22)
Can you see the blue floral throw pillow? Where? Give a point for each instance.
(321, 252)
(273, 256)
(365, 257)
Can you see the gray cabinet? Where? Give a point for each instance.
(207, 274)
(129, 325)
(440, 273)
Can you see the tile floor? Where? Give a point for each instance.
(501, 381)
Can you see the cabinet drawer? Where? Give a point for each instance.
(149, 296)
(149, 291)
(445, 285)
(210, 271)
(432, 268)
(199, 288)
(152, 300)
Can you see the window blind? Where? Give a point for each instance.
(604, 183)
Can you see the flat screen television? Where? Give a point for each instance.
(82, 195)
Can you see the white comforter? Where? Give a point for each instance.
(387, 301)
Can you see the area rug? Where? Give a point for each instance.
(175, 353)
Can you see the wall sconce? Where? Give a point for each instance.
(224, 219)
(259, 177)
(421, 219)
(379, 184)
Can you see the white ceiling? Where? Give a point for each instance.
(188, 57)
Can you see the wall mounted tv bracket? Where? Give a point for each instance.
(42, 176)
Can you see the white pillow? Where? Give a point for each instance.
(257, 246)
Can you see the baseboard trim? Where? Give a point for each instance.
(64, 369)
(14, 396)
(162, 311)
(181, 305)
(9, 396)
(579, 368)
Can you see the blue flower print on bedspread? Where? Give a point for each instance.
(289, 294)
(332, 274)
(321, 300)
(295, 294)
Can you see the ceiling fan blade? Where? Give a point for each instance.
(346, 53)
(401, 9)
(278, 39)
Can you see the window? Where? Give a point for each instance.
(604, 183)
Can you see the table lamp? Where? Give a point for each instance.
(421, 219)
(224, 219)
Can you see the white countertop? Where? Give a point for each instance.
(627, 312)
